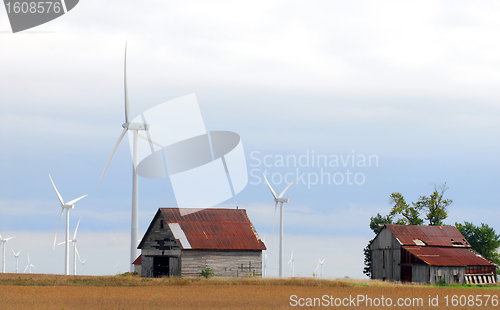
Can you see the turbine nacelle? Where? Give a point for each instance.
(135, 126)
(285, 200)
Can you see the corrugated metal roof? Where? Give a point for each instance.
(440, 256)
(430, 235)
(215, 229)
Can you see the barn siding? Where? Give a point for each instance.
(420, 273)
(447, 273)
(386, 255)
(223, 263)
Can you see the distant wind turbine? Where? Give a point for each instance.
(281, 200)
(75, 251)
(67, 206)
(16, 255)
(4, 241)
(83, 264)
(117, 267)
(292, 264)
(29, 265)
(321, 262)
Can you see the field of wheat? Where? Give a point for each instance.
(128, 292)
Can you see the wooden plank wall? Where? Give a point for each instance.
(224, 263)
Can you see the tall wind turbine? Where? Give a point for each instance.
(281, 200)
(29, 265)
(67, 206)
(4, 241)
(75, 251)
(134, 127)
(292, 264)
(16, 255)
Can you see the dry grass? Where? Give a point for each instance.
(127, 292)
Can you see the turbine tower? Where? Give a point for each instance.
(67, 206)
(281, 200)
(4, 241)
(75, 251)
(16, 255)
(134, 127)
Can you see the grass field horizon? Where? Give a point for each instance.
(45, 291)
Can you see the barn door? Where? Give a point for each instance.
(161, 266)
(405, 273)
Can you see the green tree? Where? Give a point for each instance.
(435, 205)
(483, 239)
(405, 214)
(410, 215)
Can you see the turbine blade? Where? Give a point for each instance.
(127, 107)
(63, 242)
(25, 269)
(140, 135)
(272, 190)
(58, 195)
(57, 230)
(283, 193)
(77, 254)
(74, 236)
(112, 153)
(75, 200)
(8, 239)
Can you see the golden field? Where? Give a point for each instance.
(128, 292)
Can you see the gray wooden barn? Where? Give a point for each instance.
(183, 242)
(427, 254)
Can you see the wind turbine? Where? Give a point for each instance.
(75, 251)
(281, 200)
(83, 264)
(29, 265)
(292, 264)
(16, 255)
(67, 206)
(321, 262)
(134, 127)
(118, 267)
(4, 241)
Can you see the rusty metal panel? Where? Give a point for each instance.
(431, 235)
(448, 256)
(215, 229)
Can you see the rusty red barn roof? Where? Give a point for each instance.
(444, 256)
(431, 235)
(138, 260)
(215, 229)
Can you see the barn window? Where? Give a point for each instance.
(161, 224)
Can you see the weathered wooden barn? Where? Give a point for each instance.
(427, 254)
(183, 242)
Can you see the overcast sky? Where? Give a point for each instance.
(411, 85)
